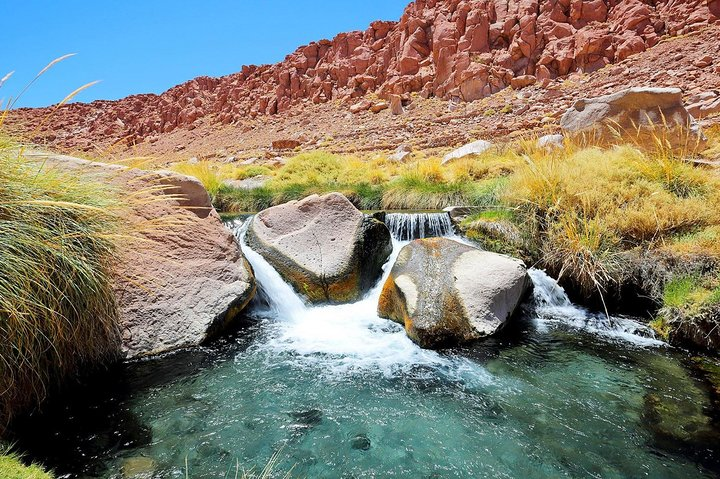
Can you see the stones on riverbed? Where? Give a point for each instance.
(445, 292)
(637, 114)
(323, 246)
(361, 443)
(138, 467)
(309, 418)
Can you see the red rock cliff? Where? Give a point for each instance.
(462, 49)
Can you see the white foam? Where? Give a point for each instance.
(351, 338)
(344, 338)
(553, 307)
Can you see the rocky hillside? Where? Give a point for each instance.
(446, 49)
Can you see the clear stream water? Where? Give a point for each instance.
(336, 392)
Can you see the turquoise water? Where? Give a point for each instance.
(336, 392)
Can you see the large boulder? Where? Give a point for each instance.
(445, 292)
(471, 149)
(180, 277)
(322, 245)
(638, 114)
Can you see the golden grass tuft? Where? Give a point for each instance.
(57, 308)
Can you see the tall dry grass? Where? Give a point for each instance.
(57, 308)
(60, 232)
(592, 204)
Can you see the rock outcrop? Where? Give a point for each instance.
(445, 292)
(636, 113)
(181, 276)
(449, 49)
(471, 149)
(322, 245)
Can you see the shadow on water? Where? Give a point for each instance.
(91, 421)
(95, 421)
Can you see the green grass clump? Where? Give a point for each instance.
(57, 308)
(250, 171)
(691, 292)
(677, 292)
(12, 468)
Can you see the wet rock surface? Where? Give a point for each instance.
(326, 248)
(445, 292)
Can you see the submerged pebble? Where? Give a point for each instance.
(361, 442)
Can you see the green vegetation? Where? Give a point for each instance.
(369, 184)
(12, 468)
(689, 293)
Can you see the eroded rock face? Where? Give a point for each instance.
(175, 284)
(635, 113)
(450, 49)
(322, 245)
(445, 292)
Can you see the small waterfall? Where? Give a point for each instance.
(342, 337)
(346, 338)
(552, 305)
(282, 299)
(410, 226)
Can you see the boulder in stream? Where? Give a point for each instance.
(322, 245)
(445, 292)
(181, 277)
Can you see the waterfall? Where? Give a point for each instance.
(410, 226)
(344, 338)
(282, 299)
(552, 306)
(347, 338)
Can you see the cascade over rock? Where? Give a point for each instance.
(179, 283)
(445, 292)
(450, 49)
(322, 245)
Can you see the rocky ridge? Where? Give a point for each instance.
(449, 50)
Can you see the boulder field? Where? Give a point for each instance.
(180, 277)
(445, 292)
(323, 246)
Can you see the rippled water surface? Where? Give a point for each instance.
(337, 392)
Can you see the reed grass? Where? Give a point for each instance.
(57, 308)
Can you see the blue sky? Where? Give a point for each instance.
(148, 46)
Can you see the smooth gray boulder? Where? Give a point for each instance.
(180, 277)
(445, 292)
(322, 245)
(637, 114)
(471, 149)
(550, 142)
